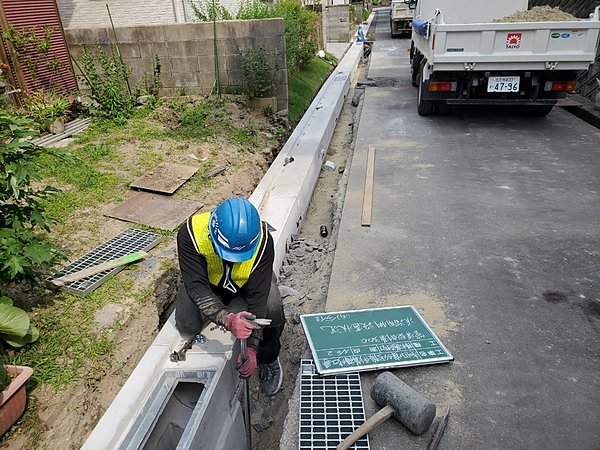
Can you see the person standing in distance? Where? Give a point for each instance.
(226, 261)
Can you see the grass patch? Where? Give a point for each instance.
(141, 129)
(303, 85)
(82, 178)
(69, 337)
(96, 171)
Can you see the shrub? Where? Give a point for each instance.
(46, 107)
(209, 10)
(254, 9)
(110, 85)
(300, 26)
(24, 253)
(259, 70)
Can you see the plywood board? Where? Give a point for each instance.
(155, 210)
(165, 178)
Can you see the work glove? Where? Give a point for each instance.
(248, 367)
(239, 326)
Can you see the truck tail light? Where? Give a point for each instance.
(442, 86)
(559, 86)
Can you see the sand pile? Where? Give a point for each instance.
(539, 14)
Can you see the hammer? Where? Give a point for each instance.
(400, 400)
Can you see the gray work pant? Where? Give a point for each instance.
(189, 320)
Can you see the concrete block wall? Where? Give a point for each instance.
(336, 23)
(186, 52)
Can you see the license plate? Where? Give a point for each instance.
(503, 84)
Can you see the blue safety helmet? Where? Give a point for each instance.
(234, 228)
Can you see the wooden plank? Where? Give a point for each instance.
(368, 195)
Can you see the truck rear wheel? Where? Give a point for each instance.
(424, 107)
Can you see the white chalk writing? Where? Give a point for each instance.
(362, 326)
(331, 317)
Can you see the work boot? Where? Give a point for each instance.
(270, 377)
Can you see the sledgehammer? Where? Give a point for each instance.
(408, 407)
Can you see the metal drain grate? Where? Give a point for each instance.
(130, 240)
(331, 408)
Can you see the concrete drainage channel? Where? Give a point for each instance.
(196, 403)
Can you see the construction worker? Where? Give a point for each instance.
(226, 261)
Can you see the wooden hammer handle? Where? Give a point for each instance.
(379, 417)
(126, 259)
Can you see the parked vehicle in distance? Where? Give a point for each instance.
(460, 56)
(401, 16)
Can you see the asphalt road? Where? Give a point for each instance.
(489, 223)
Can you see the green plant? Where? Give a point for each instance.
(365, 14)
(156, 82)
(24, 253)
(46, 107)
(31, 46)
(209, 10)
(15, 327)
(16, 330)
(110, 85)
(144, 86)
(259, 70)
(254, 9)
(300, 27)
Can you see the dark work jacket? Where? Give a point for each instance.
(213, 300)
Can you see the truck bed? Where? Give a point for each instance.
(509, 46)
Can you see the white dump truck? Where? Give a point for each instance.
(401, 16)
(460, 55)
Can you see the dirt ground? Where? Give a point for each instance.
(64, 419)
(304, 277)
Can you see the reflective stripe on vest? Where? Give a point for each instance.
(241, 271)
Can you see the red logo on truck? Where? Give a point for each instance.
(513, 40)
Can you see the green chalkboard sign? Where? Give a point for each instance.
(372, 339)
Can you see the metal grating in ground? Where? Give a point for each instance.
(331, 408)
(130, 240)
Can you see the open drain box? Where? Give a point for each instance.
(184, 410)
(331, 408)
(163, 420)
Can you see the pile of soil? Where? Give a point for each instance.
(539, 14)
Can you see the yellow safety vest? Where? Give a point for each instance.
(216, 267)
